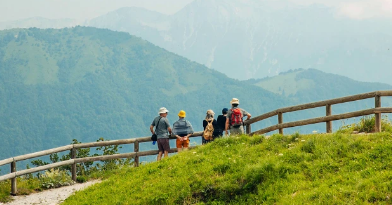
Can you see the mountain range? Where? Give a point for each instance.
(85, 83)
(256, 39)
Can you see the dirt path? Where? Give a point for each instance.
(49, 197)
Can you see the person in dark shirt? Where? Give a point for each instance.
(221, 122)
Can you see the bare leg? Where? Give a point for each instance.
(185, 148)
(166, 154)
(179, 149)
(160, 156)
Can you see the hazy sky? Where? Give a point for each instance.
(87, 9)
(79, 9)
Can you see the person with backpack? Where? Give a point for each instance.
(210, 128)
(182, 130)
(221, 122)
(162, 127)
(234, 120)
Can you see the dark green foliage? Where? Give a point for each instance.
(87, 168)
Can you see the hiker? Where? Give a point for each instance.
(210, 128)
(234, 120)
(162, 126)
(182, 130)
(221, 121)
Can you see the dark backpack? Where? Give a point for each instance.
(236, 117)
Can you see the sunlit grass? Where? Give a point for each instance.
(296, 169)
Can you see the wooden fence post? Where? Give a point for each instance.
(136, 149)
(248, 129)
(280, 120)
(378, 115)
(73, 168)
(13, 180)
(329, 123)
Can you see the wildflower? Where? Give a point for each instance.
(194, 152)
(302, 140)
(280, 154)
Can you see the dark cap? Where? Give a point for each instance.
(224, 111)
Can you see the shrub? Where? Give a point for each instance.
(367, 124)
(55, 178)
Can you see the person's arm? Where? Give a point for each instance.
(152, 129)
(168, 126)
(227, 126)
(190, 130)
(248, 116)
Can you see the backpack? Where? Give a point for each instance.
(236, 117)
(207, 134)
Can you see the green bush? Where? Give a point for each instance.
(55, 178)
(367, 124)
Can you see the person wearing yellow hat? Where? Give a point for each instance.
(234, 120)
(182, 130)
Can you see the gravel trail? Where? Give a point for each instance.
(49, 197)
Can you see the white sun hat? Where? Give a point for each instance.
(162, 110)
(234, 101)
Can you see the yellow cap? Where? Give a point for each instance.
(181, 113)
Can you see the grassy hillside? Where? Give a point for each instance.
(86, 83)
(298, 169)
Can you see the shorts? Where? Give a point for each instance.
(182, 144)
(163, 144)
(237, 131)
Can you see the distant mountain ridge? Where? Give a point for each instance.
(255, 39)
(306, 85)
(249, 39)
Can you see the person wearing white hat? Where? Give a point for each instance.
(162, 127)
(234, 120)
(210, 128)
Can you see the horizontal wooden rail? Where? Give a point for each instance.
(6, 161)
(319, 104)
(324, 119)
(36, 169)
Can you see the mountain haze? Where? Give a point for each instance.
(264, 38)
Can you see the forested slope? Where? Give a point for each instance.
(84, 83)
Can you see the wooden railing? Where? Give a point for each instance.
(328, 118)
(136, 154)
(73, 161)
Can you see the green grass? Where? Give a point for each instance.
(297, 169)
